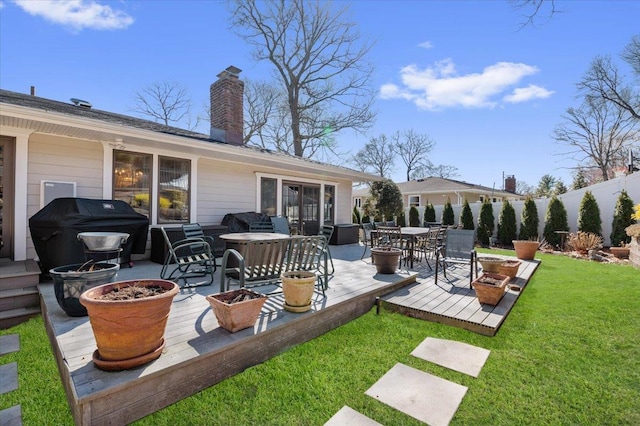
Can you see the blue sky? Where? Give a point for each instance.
(487, 91)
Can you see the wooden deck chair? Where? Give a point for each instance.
(459, 247)
(188, 258)
(327, 231)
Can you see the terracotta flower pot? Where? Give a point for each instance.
(509, 268)
(620, 252)
(489, 263)
(237, 309)
(128, 332)
(70, 281)
(525, 250)
(297, 287)
(490, 288)
(386, 259)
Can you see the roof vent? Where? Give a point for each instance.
(80, 102)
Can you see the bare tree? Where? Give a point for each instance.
(597, 131)
(412, 148)
(524, 188)
(604, 80)
(319, 60)
(265, 116)
(533, 9)
(376, 157)
(166, 102)
(441, 170)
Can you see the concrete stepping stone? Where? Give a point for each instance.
(9, 343)
(8, 377)
(421, 395)
(11, 416)
(454, 355)
(349, 416)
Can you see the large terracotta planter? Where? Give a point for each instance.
(128, 332)
(490, 288)
(297, 287)
(525, 250)
(386, 259)
(236, 310)
(70, 281)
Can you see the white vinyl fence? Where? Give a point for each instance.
(605, 193)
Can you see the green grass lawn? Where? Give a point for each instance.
(568, 353)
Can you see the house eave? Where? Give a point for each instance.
(55, 123)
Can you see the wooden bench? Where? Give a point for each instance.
(263, 261)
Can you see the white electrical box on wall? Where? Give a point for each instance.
(50, 190)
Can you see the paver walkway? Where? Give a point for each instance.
(421, 395)
(11, 416)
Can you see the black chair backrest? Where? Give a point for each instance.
(261, 227)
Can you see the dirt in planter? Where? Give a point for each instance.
(490, 281)
(135, 291)
(237, 296)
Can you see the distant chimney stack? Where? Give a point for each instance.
(33, 90)
(226, 96)
(510, 184)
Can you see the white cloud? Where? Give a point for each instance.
(77, 14)
(524, 94)
(439, 86)
(426, 44)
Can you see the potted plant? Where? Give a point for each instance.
(128, 319)
(490, 287)
(490, 263)
(237, 309)
(620, 252)
(525, 249)
(297, 287)
(386, 259)
(70, 281)
(509, 268)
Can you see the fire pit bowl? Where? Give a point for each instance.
(103, 241)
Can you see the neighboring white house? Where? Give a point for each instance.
(50, 148)
(437, 191)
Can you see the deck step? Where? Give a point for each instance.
(19, 298)
(14, 317)
(19, 274)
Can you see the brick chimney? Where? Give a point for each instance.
(510, 184)
(226, 96)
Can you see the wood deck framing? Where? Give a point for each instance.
(199, 354)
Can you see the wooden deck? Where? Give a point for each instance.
(199, 354)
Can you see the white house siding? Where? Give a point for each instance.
(62, 159)
(224, 188)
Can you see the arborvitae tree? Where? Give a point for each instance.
(466, 217)
(429, 213)
(355, 216)
(486, 223)
(529, 221)
(555, 219)
(388, 198)
(414, 216)
(621, 219)
(589, 215)
(402, 221)
(507, 224)
(448, 218)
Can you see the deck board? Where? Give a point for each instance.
(195, 342)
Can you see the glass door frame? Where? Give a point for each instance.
(7, 195)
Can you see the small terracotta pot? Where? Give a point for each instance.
(490, 294)
(620, 252)
(490, 264)
(239, 315)
(127, 332)
(509, 268)
(297, 287)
